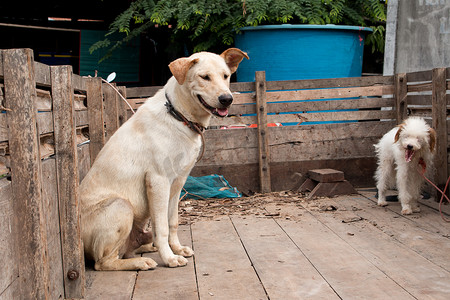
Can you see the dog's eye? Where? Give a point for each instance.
(225, 76)
(205, 77)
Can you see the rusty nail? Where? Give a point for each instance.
(72, 275)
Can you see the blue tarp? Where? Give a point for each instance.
(211, 186)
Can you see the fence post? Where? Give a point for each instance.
(439, 114)
(29, 220)
(94, 97)
(123, 107)
(263, 140)
(111, 110)
(67, 178)
(401, 91)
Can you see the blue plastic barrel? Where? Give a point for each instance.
(290, 52)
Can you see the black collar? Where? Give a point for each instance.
(196, 127)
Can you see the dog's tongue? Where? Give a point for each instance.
(409, 155)
(223, 112)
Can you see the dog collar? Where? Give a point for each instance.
(196, 127)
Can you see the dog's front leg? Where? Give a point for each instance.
(158, 194)
(174, 242)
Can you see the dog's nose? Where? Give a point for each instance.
(409, 147)
(226, 99)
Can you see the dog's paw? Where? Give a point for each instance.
(382, 203)
(184, 251)
(407, 211)
(146, 264)
(177, 261)
(416, 209)
(146, 248)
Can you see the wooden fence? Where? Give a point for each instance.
(333, 123)
(48, 116)
(53, 123)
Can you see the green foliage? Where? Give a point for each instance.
(208, 23)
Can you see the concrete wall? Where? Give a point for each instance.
(417, 35)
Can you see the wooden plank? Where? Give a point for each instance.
(84, 161)
(230, 139)
(56, 283)
(44, 123)
(401, 97)
(297, 143)
(439, 112)
(283, 269)
(51, 211)
(222, 266)
(50, 203)
(326, 175)
(300, 118)
(241, 109)
(95, 113)
(328, 105)
(9, 272)
(320, 150)
(31, 244)
(122, 106)
(232, 120)
(142, 92)
(42, 74)
(330, 82)
(136, 102)
(419, 87)
(279, 107)
(78, 83)
(263, 141)
(109, 284)
(330, 93)
(67, 172)
(111, 110)
(344, 268)
(421, 278)
(419, 100)
(425, 233)
(419, 76)
(11, 292)
(2, 98)
(359, 115)
(287, 175)
(168, 283)
(244, 98)
(242, 86)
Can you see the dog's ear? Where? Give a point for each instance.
(180, 67)
(233, 57)
(432, 134)
(397, 135)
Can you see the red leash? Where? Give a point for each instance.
(422, 172)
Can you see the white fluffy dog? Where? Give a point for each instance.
(401, 153)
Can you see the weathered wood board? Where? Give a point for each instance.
(222, 266)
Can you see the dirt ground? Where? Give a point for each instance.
(192, 210)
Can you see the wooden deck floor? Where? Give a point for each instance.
(339, 248)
